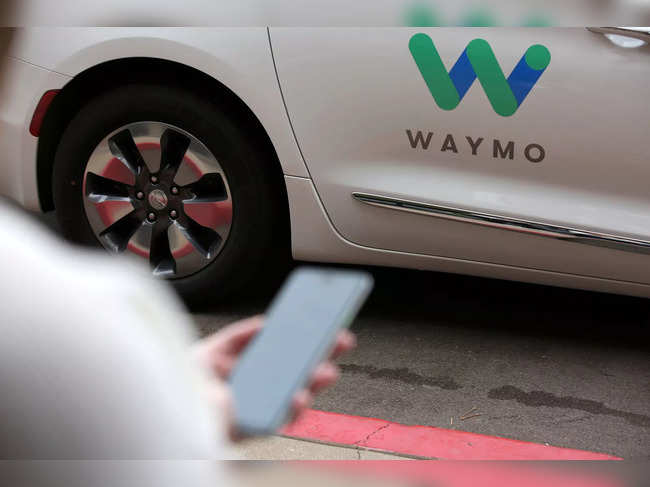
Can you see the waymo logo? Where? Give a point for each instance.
(478, 61)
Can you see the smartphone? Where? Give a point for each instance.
(299, 332)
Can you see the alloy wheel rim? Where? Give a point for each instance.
(156, 191)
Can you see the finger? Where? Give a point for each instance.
(301, 401)
(232, 338)
(222, 366)
(345, 341)
(236, 336)
(325, 375)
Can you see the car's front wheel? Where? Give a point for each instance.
(171, 177)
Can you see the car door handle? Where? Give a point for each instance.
(614, 34)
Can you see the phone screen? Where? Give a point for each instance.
(298, 333)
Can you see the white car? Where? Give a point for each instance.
(511, 153)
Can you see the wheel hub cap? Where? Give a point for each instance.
(158, 199)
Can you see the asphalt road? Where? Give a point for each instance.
(548, 365)
(543, 364)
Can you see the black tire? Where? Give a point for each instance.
(258, 237)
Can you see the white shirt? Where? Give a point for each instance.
(94, 357)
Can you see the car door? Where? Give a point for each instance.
(524, 147)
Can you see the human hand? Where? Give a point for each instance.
(220, 351)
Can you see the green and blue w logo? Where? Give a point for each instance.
(478, 61)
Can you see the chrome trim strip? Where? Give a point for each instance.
(643, 35)
(507, 223)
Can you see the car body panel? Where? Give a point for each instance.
(352, 94)
(240, 58)
(23, 84)
(315, 239)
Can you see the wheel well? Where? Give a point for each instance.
(101, 78)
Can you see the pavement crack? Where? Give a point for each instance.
(372, 433)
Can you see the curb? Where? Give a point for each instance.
(423, 441)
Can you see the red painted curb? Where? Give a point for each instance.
(424, 441)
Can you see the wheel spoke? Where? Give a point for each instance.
(209, 189)
(173, 146)
(124, 148)
(117, 235)
(100, 189)
(160, 255)
(204, 239)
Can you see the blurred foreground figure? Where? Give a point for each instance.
(78, 382)
(94, 358)
(99, 361)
